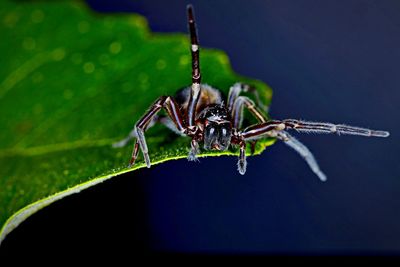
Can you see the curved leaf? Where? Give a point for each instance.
(72, 82)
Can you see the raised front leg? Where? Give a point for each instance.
(196, 74)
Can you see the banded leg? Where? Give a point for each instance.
(172, 109)
(258, 130)
(325, 127)
(196, 74)
(135, 151)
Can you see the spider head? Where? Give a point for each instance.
(218, 129)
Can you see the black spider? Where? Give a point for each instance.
(199, 112)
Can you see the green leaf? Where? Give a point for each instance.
(72, 82)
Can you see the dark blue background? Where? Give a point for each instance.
(335, 61)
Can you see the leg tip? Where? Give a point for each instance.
(193, 157)
(384, 134)
(148, 164)
(379, 134)
(322, 177)
(242, 166)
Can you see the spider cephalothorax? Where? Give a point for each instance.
(200, 113)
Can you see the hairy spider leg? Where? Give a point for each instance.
(135, 153)
(255, 131)
(325, 127)
(196, 74)
(169, 104)
(304, 152)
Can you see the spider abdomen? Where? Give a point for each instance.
(208, 96)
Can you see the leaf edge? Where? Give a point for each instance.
(24, 213)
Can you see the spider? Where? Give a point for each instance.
(199, 112)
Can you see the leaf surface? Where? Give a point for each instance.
(72, 82)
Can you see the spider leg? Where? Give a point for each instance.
(234, 92)
(276, 128)
(135, 153)
(172, 109)
(242, 163)
(237, 89)
(237, 111)
(196, 74)
(236, 104)
(258, 130)
(304, 152)
(325, 127)
(194, 150)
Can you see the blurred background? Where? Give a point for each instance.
(335, 61)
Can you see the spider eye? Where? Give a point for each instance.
(210, 136)
(224, 137)
(212, 130)
(224, 132)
